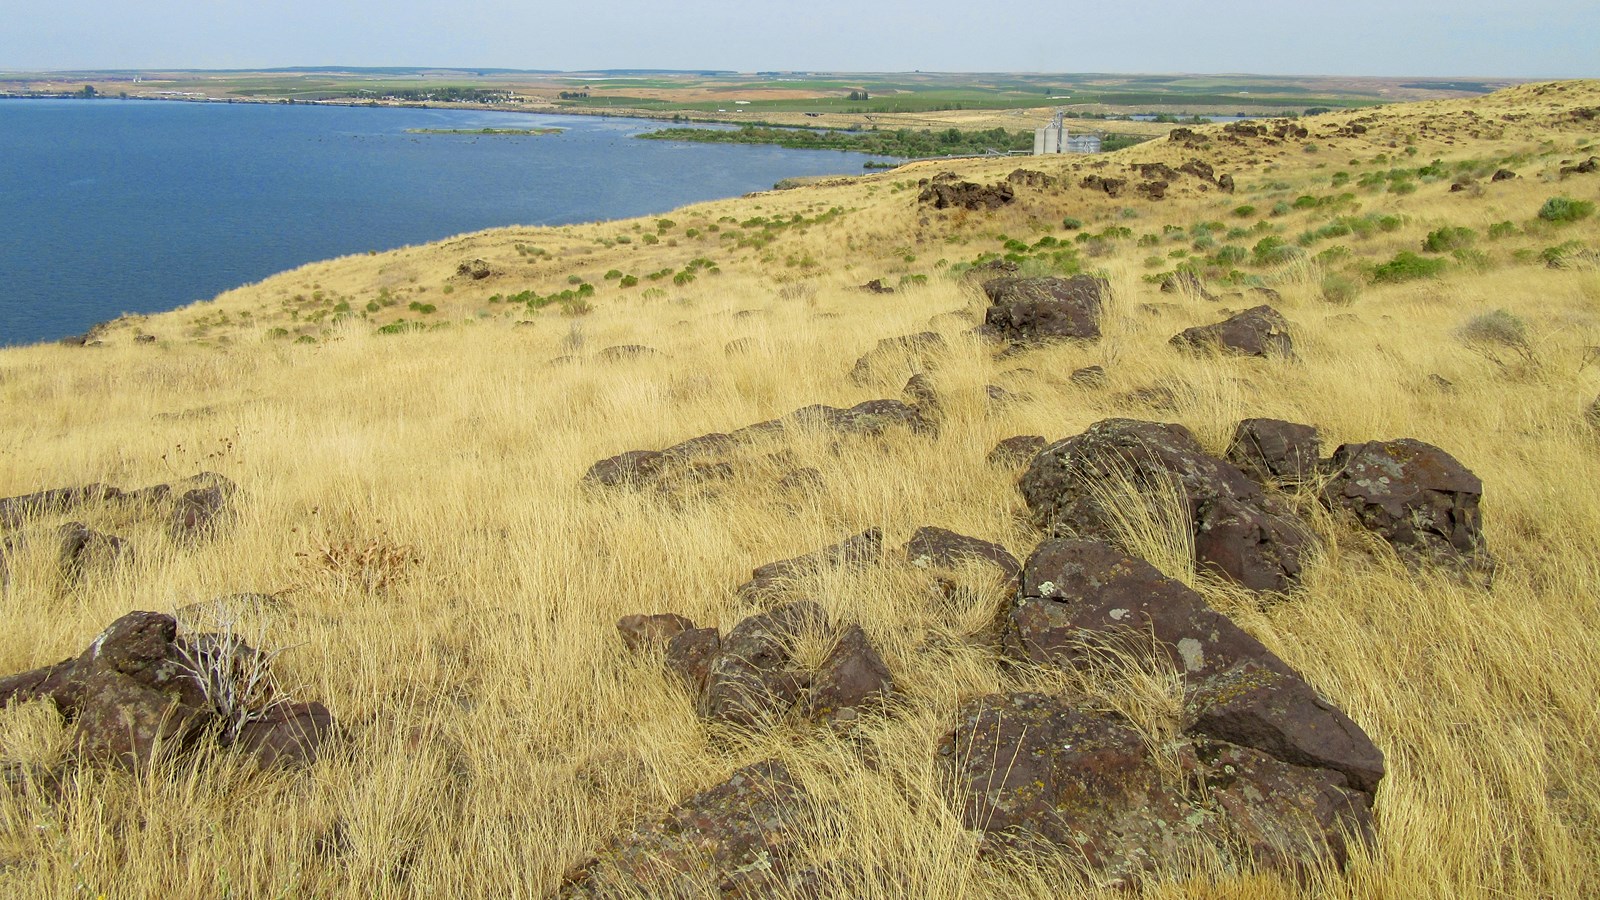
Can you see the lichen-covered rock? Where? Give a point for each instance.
(1283, 817)
(689, 655)
(1014, 451)
(1026, 310)
(1279, 714)
(629, 469)
(1414, 495)
(940, 548)
(1031, 770)
(1258, 331)
(83, 550)
(742, 838)
(1273, 450)
(1237, 530)
(1079, 598)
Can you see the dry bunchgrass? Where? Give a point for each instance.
(451, 589)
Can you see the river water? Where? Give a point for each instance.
(110, 206)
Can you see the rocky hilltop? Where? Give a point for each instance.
(1211, 518)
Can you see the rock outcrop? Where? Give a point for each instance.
(1236, 529)
(1258, 331)
(1027, 310)
(1415, 496)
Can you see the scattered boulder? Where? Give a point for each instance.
(1014, 451)
(751, 683)
(1026, 310)
(938, 548)
(630, 469)
(1587, 167)
(200, 510)
(1199, 169)
(475, 269)
(140, 688)
(771, 579)
(1414, 495)
(1237, 530)
(966, 195)
(1502, 175)
(1032, 771)
(1277, 451)
(689, 655)
(1280, 715)
(1079, 599)
(744, 837)
(738, 346)
(16, 510)
(1112, 187)
(1225, 183)
(851, 678)
(84, 550)
(876, 286)
(1088, 376)
(1030, 178)
(1155, 190)
(870, 417)
(802, 480)
(1157, 171)
(1029, 769)
(641, 632)
(286, 734)
(1259, 331)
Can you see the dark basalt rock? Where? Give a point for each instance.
(642, 632)
(1014, 451)
(851, 678)
(742, 838)
(1111, 186)
(1081, 598)
(1414, 495)
(689, 655)
(1277, 451)
(201, 510)
(1186, 282)
(1088, 376)
(966, 195)
(1259, 331)
(1040, 309)
(932, 547)
(1238, 531)
(1030, 178)
(135, 692)
(771, 579)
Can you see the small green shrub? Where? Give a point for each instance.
(1230, 255)
(424, 308)
(1501, 230)
(629, 280)
(1449, 238)
(1562, 210)
(649, 238)
(1071, 224)
(1407, 266)
(1495, 328)
(1339, 288)
(1561, 254)
(1272, 250)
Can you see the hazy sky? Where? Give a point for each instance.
(1531, 38)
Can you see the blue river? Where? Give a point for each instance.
(111, 206)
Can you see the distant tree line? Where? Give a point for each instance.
(901, 143)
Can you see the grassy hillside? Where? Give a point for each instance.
(409, 449)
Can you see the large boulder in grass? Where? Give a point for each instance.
(1032, 772)
(1414, 495)
(932, 547)
(1080, 486)
(744, 837)
(1082, 602)
(918, 351)
(1258, 331)
(752, 680)
(140, 688)
(1272, 450)
(1026, 310)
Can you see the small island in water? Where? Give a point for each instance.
(515, 131)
